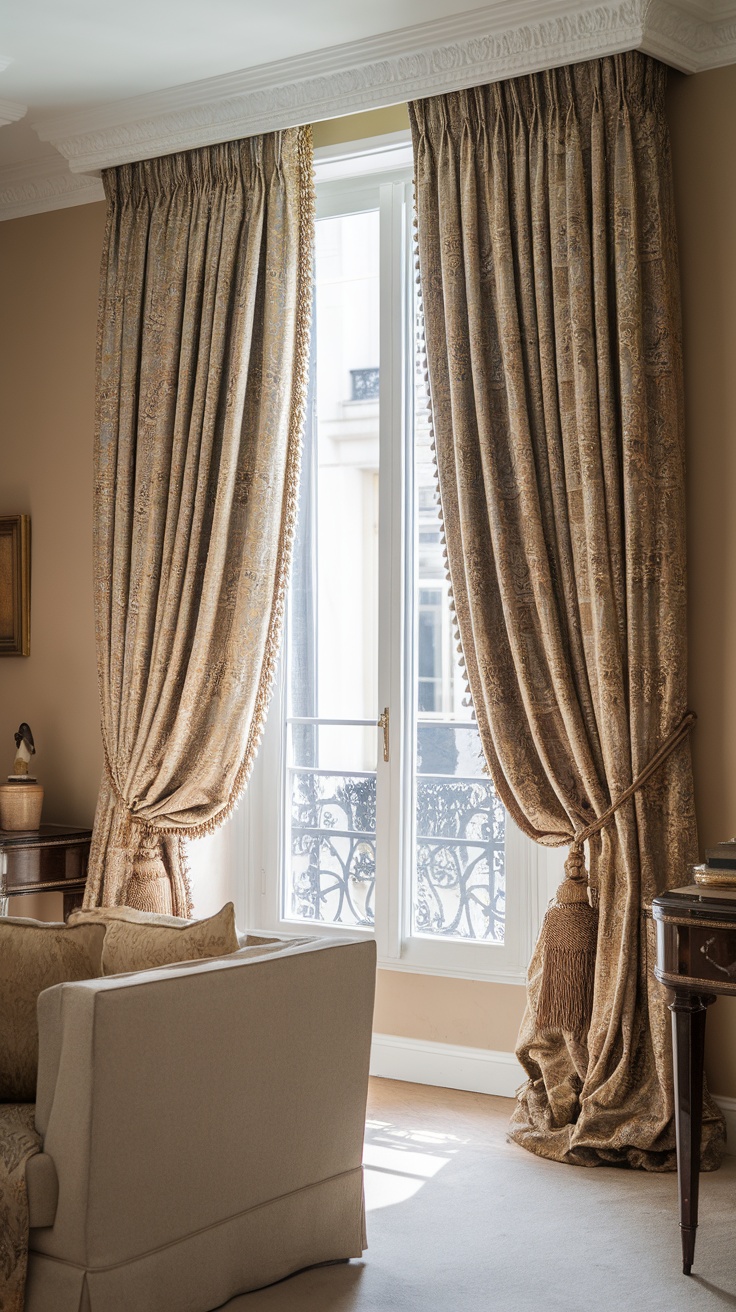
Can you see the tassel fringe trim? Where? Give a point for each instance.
(421, 345)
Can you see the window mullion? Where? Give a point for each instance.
(390, 820)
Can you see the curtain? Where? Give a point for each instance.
(202, 367)
(548, 267)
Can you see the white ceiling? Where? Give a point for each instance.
(95, 75)
(72, 53)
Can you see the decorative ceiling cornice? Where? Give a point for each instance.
(692, 37)
(485, 45)
(44, 184)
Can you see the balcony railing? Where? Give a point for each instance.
(460, 858)
(459, 876)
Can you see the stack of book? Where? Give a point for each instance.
(719, 869)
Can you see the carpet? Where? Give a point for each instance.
(460, 1220)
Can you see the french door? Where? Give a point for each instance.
(370, 811)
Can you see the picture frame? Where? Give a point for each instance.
(15, 585)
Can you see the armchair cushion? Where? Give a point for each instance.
(132, 945)
(34, 956)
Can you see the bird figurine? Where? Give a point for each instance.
(24, 750)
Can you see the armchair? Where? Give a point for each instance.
(202, 1128)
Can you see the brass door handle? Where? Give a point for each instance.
(382, 723)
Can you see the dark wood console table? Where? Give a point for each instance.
(696, 960)
(52, 859)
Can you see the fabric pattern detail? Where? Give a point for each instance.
(19, 1140)
(131, 946)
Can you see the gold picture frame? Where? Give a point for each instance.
(15, 585)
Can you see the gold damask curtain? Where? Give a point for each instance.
(203, 350)
(549, 277)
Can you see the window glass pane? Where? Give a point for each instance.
(458, 884)
(332, 659)
(332, 747)
(347, 467)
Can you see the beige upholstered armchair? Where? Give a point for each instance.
(202, 1128)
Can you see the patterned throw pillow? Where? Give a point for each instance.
(138, 945)
(34, 955)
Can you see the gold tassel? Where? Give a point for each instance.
(568, 939)
(149, 886)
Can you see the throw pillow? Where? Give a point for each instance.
(132, 945)
(35, 955)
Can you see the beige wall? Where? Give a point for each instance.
(48, 271)
(447, 1010)
(49, 267)
(353, 127)
(702, 115)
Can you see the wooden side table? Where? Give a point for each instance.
(696, 960)
(52, 859)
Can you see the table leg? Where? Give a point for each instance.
(688, 1039)
(72, 901)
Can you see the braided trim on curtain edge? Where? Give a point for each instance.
(421, 341)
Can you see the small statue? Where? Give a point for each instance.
(24, 750)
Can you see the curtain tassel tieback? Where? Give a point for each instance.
(149, 886)
(569, 933)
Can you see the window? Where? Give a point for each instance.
(370, 810)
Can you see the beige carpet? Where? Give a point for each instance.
(459, 1219)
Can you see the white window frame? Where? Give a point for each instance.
(353, 178)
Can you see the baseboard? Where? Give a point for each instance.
(419, 1061)
(478, 1070)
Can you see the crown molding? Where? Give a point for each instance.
(504, 40)
(10, 112)
(42, 185)
(691, 36)
(485, 45)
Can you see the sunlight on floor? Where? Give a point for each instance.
(398, 1162)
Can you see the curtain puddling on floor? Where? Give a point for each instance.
(202, 366)
(549, 278)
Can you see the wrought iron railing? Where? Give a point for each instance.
(333, 846)
(459, 885)
(460, 848)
